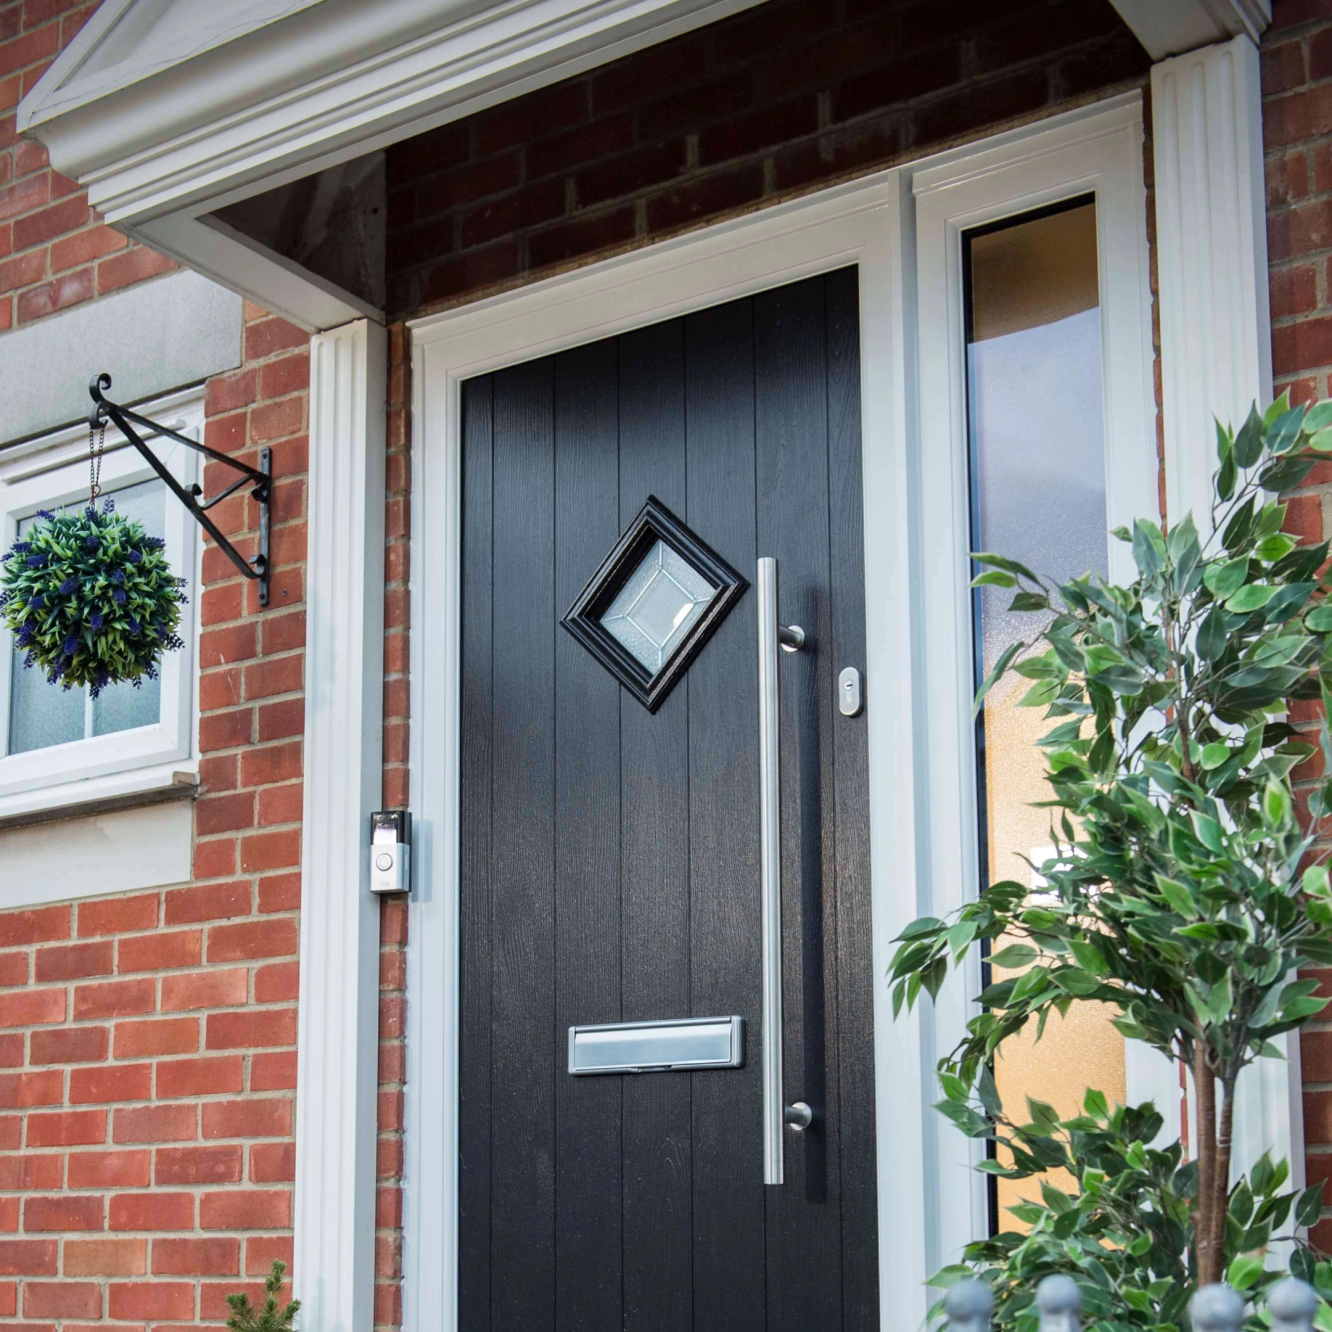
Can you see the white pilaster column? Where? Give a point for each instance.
(1211, 251)
(337, 1040)
(1216, 359)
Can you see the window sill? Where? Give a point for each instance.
(98, 795)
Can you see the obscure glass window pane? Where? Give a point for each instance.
(1038, 495)
(40, 714)
(658, 606)
(121, 707)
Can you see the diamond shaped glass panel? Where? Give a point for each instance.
(658, 606)
(658, 596)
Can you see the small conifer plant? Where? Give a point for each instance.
(273, 1316)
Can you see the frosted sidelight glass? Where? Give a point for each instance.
(657, 606)
(41, 715)
(1038, 495)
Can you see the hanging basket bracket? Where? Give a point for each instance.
(260, 478)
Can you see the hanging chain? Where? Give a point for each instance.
(95, 462)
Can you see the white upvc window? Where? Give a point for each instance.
(1036, 437)
(62, 749)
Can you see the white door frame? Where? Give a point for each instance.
(870, 222)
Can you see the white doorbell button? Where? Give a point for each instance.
(390, 851)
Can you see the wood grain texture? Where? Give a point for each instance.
(654, 841)
(855, 989)
(523, 1050)
(610, 856)
(729, 1287)
(475, 813)
(804, 1254)
(587, 848)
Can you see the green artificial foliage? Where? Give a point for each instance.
(273, 1316)
(90, 598)
(1185, 891)
(1124, 1231)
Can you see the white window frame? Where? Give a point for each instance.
(1105, 161)
(52, 471)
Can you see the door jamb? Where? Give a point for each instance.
(870, 222)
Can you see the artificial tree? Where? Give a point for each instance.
(1186, 889)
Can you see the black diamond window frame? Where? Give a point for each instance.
(654, 522)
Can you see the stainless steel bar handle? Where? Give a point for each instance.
(776, 1113)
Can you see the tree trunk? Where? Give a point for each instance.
(1221, 1182)
(1208, 1254)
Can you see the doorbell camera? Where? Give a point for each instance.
(391, 851)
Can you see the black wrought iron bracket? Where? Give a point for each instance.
(260, 478)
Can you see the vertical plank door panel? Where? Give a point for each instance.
(855, 981)
(475, 813)
(523, 1057)
(804, 1222)
(587, 848)
(723, 828)
(654, 834)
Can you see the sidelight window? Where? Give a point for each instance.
(1037, 458)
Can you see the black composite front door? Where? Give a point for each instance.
(610, 853)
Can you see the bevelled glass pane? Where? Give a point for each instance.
(121, 707)
(658, 605)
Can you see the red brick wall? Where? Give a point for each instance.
(54, 251)
(783, 98)
(147, 1045)
(393, 914)
(1297, 130)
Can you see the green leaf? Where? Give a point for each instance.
(1179, 897)
(1310, 1206)
(1002, 562)
(1213, 634)
(1148, 547)
(999, 668)
(1238, 529)
(1244, 1271)
(1318, 417)
(1284, 432)
(1209, 833)
(1276, 803)
(1249, 441)
(1250, 597)
(994, 578)
(1274, 548)
(921, 925)
(1214, 755)
(1014, 956)
(1224, 578)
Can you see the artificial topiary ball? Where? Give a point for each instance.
(91, 598)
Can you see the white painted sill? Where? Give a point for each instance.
(99, 795)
